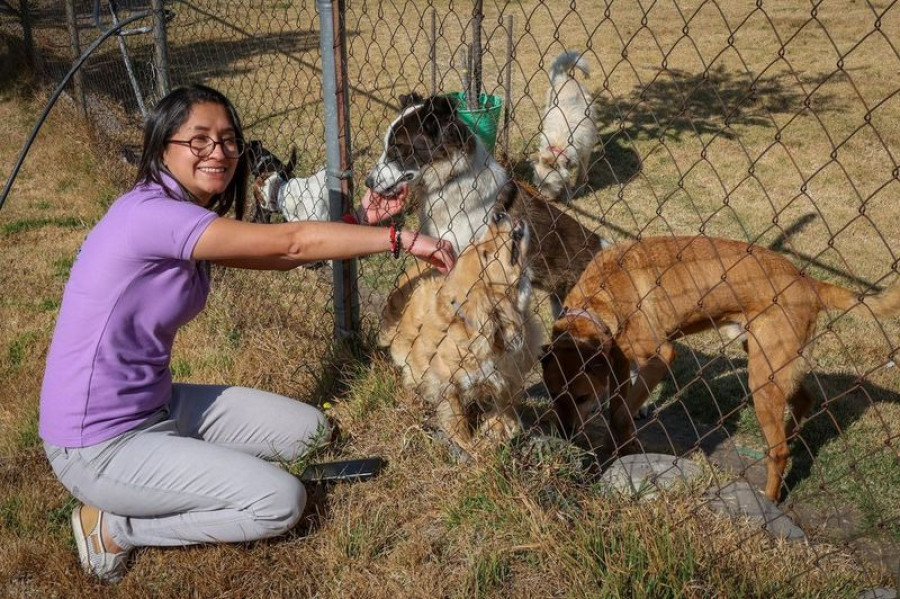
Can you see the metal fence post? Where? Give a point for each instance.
(77, 79)
(507, 100)
(337, 149)
(473, 91)
(161, 49)
(27, 37)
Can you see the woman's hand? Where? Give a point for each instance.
(377, 208)
(437, 252)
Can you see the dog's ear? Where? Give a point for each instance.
(506, 196)
(546, 354)
(410, 99)
(443, 106)
(254, 153)
(291, 163)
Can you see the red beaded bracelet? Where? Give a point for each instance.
(393, 232)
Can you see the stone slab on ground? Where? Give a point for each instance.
(648, 473)
(741, 499)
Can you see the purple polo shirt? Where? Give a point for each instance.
(132, 286)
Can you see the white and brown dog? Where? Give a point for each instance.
(568, 131)
(429, 151)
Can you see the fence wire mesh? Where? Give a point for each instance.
(769, 124)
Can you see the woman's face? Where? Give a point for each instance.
(203, 177)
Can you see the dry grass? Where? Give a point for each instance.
(684, 149)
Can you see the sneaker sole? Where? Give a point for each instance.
(80, 540)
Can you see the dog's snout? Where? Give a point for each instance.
(370, 181)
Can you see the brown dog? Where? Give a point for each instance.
(635, 298)
(468, 340)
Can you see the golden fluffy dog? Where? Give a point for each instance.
(634, 299)
(467, 341)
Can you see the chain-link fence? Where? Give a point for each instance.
(773, 125)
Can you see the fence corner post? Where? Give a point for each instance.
(160, 47)
(27, 37)
(337, 148)
(78, 81)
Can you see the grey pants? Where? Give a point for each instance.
(193, 472)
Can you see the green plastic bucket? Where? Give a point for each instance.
(483, 121)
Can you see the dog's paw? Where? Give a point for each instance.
(459, 455)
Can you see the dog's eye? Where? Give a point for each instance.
(499, 216)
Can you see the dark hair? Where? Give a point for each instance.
(171, 113)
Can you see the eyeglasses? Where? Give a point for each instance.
(202, 146)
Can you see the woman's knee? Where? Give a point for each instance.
(281, 507)
(305, 428)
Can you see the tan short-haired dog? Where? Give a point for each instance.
(635, 298)
(467, 341)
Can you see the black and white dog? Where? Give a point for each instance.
(277, 190)
(429, 151)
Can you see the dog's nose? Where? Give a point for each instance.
(370, 181)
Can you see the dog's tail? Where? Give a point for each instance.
(886, 303)
(565, 63)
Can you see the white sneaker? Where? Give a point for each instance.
(87, 524)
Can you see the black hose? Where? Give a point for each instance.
(52, 101)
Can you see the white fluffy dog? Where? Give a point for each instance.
(568, 130)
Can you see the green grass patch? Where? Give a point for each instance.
(181, 369)
(488, 504)
(49, 305)
(59, 518)
(30, 224)
(106, 198)
(858, 470)
(234, 337)
(487, 574)
(379, 272)
(28, 437)
(218, 361)
(10, 514)
(65, 184)
(372, 388)
(367, 539)
(18, 348)
(63, 266)
(622, 559)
